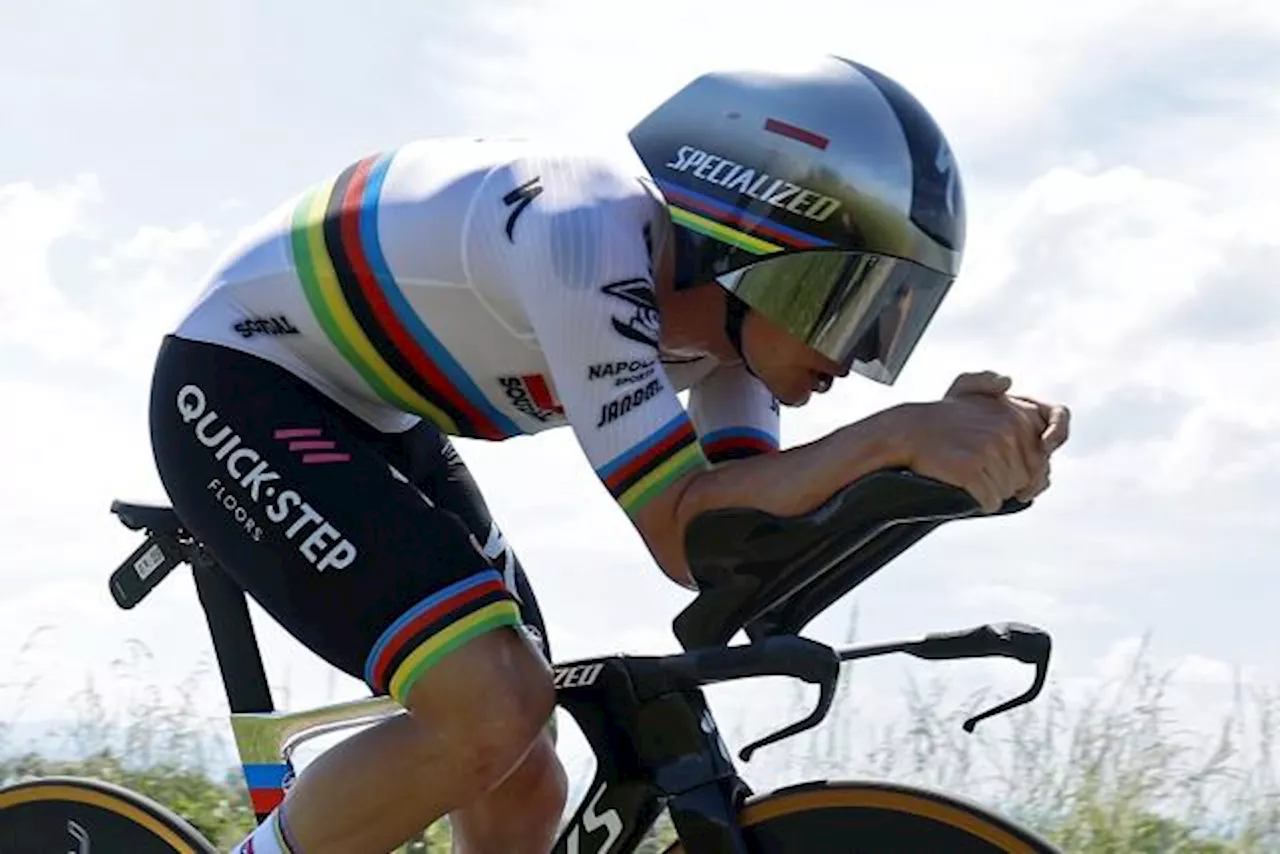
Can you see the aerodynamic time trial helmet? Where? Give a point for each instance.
(826, 198)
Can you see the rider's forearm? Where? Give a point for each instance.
(787, 483)
(801, 478)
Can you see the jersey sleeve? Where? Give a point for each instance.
(578, 257)
(735, 415)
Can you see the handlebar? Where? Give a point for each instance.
(818, 664)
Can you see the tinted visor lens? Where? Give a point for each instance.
(866, 312)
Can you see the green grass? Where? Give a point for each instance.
(1112, 774)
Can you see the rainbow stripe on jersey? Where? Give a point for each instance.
(733, 443)
(637, 476)
(363, 311)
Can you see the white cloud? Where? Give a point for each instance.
(1035, 604)
(152, 244)
(32, 220)
(121, 299)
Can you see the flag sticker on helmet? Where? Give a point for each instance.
(777, 192)
(808, 137)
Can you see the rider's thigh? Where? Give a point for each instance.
(486, 702)
(428, 458)
(296, 499)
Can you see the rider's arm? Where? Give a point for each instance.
(797, 479)
(738, 420)
(735, 414)
(784, 483)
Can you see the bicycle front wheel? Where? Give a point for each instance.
(876, 818)
(80, 816)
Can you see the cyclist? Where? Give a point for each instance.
(771, 231)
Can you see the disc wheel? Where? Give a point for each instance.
(876, 818)
(82, 816)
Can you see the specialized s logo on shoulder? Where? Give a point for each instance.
(519, 199)
(642, 324)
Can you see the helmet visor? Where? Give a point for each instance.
(864, 311)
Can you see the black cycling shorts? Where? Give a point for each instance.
(375, 550)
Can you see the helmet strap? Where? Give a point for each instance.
(735, 312)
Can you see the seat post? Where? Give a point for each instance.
(226, 609)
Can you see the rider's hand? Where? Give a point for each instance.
(1056, 417)
(1054, 421)
(980, 439)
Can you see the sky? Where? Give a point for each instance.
(1120, 169)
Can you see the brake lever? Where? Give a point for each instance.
(826, 693)
(783, 655)
(1020, 641)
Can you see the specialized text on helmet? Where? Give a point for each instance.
(718, 170)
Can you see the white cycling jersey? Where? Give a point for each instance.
(495, 290)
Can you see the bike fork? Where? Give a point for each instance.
(702, 821)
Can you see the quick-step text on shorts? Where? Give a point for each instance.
(323, 545)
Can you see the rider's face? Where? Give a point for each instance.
(791, 370)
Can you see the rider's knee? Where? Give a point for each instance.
(496, 741)
(540, 779)
(550, 784)
(486, 704)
